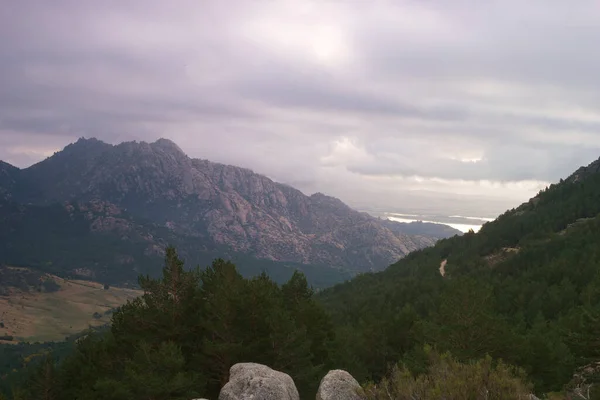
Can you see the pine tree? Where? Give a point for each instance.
(298, 300)
(584, 339)
(168, 310)
(94, 357)
(467, 325)
(222, 345)
(44, 381)
(153, 373)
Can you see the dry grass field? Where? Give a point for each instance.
(50, 316)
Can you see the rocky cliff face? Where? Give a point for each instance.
(221, 204)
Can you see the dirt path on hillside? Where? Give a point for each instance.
(443, 267)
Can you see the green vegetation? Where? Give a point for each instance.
(525, 289)
(523, 292)
(20, 360)
(180, 338)
(447, 379)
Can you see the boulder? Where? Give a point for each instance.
(250, 381)
(339, 385)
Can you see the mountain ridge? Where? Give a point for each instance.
(524, 288)
(7, 179)
(216, 203)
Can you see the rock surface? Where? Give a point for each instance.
(250, 381)
(216, 203)
(339, 385)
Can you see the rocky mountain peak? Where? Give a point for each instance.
(167, 145)
(222, 204)
(85, 145)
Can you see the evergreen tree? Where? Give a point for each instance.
(43, 385)
(167, 311)
(153, 373)
(223, 345)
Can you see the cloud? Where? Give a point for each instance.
(404, 104)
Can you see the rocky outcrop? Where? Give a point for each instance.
(339, 385)
(249, 381)
(584, 379)
(220, 204)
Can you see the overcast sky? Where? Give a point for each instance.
(440, 106)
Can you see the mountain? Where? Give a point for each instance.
(438, 231)
(525, 288)
(216, 204)
(98, 241)
(522, 292)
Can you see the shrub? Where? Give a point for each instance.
(449, 379)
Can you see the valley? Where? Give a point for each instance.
(522, 289)
(299, 200)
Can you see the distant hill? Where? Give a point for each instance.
(209, 206)
(438, 231)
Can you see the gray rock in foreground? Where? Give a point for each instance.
(250, 381)
(339, 385)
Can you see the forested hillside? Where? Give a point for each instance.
(524, 290)
(180, 338)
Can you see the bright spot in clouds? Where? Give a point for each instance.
(438, 107)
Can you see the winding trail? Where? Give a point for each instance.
(443, 267)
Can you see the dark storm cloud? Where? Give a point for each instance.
(315, 93)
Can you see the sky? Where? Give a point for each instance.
(461, 107)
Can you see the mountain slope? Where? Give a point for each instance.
(8, 179)
(98, 240)
(218, 204)
(525, 288)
